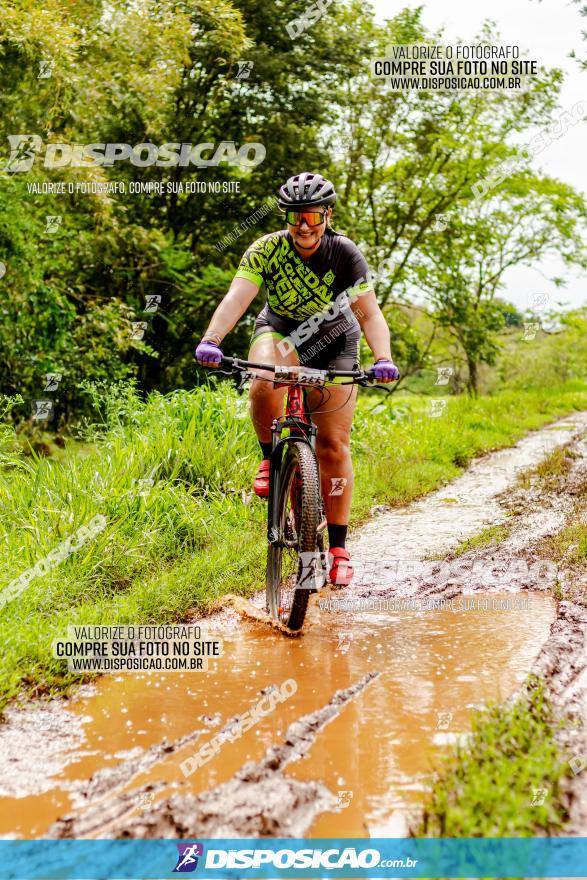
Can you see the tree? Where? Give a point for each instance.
(415, 181)
(461, 269)
(149, 71)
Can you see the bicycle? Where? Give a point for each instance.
(296, 561)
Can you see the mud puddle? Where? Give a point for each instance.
(372, 755)
(379, 694)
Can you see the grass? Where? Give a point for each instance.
(399, 460)
(557, 464)
(172, 478)
(489, 537)
(569, 544)
(486, 788)
(567, 547)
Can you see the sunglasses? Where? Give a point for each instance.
(312, 218)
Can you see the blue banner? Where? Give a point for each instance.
(337, 858)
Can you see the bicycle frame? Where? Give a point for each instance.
(296, 521)
(297, 419)
(302, 430)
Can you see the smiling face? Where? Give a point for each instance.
(307, 238)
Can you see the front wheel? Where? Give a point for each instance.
(292, 559)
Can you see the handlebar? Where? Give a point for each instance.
(309, 375)
(238, 364)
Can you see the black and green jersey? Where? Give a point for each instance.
(299, 288)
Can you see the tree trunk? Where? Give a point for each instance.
(473, 378)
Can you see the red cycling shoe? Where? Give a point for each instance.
(261, 484)
(341, 571)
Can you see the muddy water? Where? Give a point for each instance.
(374, 755)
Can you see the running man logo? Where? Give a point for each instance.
(344, 642)
(187, 859)
(152, 302)
(530, 331)
(338, 485)
(440, 223)
(344, 799)
(53, 222)
(539, 301)
(244, 69)
(311, 572)
(23, 149)
(443, 375)
(146, 800)
(539, 796)
(444, 719)
(138, 329)
(42, 409)
(437, 407)
(577, 763)
(52, 381)
(45, 69)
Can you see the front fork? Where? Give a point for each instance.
(300, 432)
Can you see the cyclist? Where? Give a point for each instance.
(319, 297)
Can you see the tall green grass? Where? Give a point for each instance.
(506, 782)
(194, 532)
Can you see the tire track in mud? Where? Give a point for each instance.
(259, 800)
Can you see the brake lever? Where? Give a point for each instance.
(244, 375)
(218, 372)
(368, 383)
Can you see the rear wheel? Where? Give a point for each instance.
(292, 560)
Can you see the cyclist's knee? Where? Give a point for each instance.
(333, 447)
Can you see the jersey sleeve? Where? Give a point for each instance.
(357, 272)
(253, 265)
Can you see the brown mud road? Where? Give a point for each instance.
(386, 674)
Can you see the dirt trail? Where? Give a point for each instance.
(381, 681)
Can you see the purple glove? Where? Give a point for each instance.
(208, 354)
(385, 371)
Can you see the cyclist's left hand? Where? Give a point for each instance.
(385, 371)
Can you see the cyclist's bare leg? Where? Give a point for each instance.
(265, 401)
(333, 449)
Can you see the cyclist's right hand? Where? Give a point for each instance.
(208, 354)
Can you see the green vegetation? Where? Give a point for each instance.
(443, 195)
(486, 788)
(556, 464)
(172, 476)
(488, 537)
(569, 544)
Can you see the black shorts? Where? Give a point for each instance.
(322, 344)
